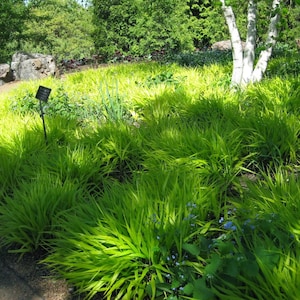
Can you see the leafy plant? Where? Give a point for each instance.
(163, 78)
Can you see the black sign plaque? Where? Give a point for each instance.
(43, 93)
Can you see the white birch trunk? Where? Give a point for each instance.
(237, 49)
(249, 51)
(265, 55)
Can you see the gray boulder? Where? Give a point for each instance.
(6, 74)
(224, 45)
(27, 66)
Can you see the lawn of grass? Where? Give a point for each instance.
(157, 181)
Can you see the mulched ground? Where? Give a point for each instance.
(26, 279)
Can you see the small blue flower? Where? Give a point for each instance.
(191, 205)
(229, 226)
(221, 220)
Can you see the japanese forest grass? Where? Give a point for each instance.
(157, 182)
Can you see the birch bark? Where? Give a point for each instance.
(236, 43)
(243, 60)
(265, 55)
(249, 51)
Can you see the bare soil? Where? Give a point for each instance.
(9, 86)
(26, 279)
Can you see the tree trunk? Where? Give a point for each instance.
(237, 49)
(243, 62)
(265, 55)
(249, 51)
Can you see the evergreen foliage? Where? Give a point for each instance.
(74, 29)
(141, 27)
(60, 28)
(12, 17)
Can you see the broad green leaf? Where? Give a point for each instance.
(268, 257)
(231, 267)
(188, 289)
(250, 268)
(175, 284)
(214, 265)
(192, 249)
(201, 291)
(225, 247)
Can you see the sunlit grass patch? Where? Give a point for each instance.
(156, 182)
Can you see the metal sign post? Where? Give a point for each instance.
(42, 95)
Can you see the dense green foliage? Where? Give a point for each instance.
(158, 182)
(141, 27)
(12, 17)
(61, 28)
(75, 29)
(206, 23)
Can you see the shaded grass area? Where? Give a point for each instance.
(156, 183)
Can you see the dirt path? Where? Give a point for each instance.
(9, 86)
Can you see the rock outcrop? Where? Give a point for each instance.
(27, 66)
(6, 74)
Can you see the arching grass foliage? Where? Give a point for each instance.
(156, 182)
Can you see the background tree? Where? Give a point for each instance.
(59, 27)
(206, 22)
(141, 27)
(114, 20)
(12, 17)
(71, 28)
(163, 25)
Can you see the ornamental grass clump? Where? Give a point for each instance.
(271, 130)
(257, 253)
(162, 185)
(129, 242)
(28, 215)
